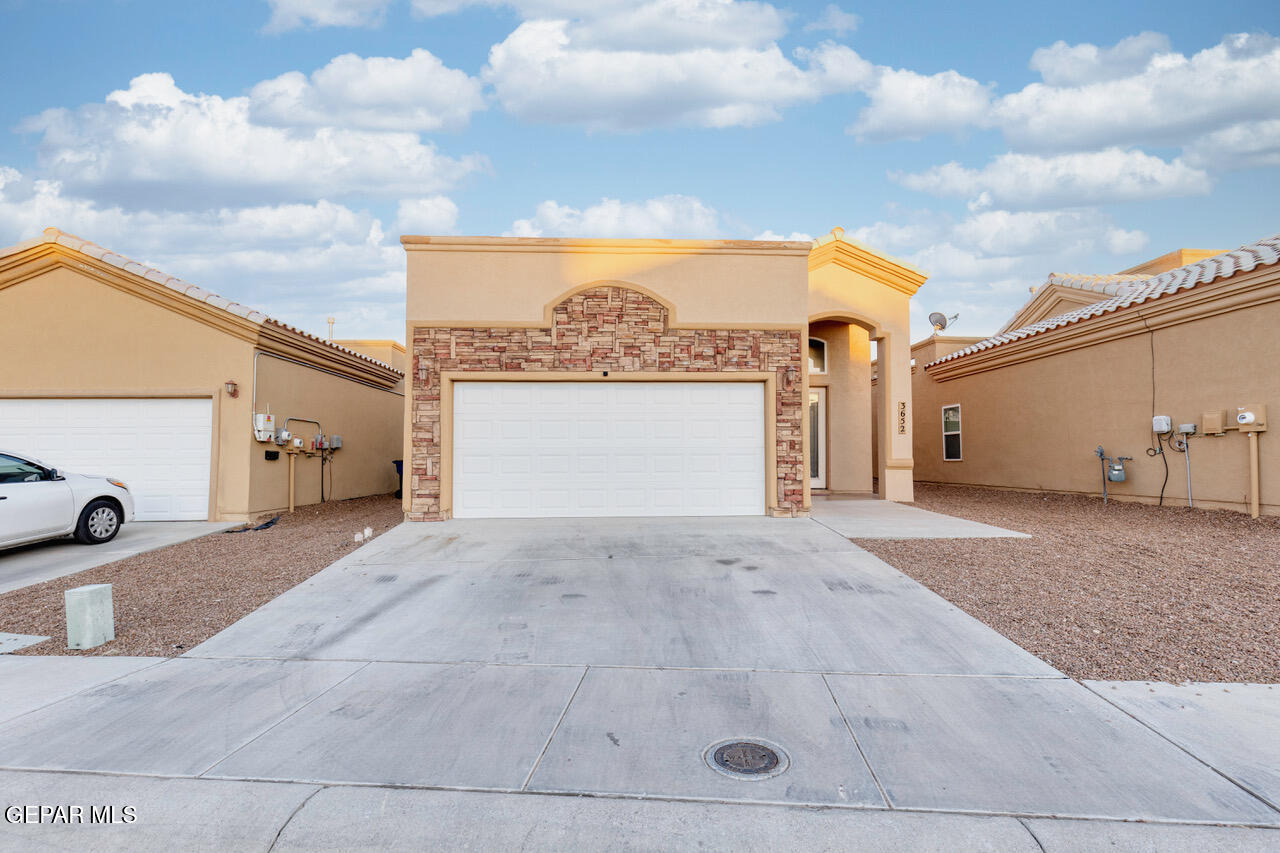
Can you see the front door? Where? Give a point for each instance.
(818, 438)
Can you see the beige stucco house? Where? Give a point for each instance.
(108, 366)
(1090, 359)
(569, 377)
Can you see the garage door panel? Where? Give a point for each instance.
(608, 448)
(160, 447)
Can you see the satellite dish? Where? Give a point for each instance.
(940, 321)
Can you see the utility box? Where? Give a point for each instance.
(91, 617)
(1162, 424)
(1251, 418)
(1214, 423)
(264, 427)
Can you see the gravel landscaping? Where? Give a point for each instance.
(169, 600)
(1120, 591)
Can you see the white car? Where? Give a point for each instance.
(39, 502)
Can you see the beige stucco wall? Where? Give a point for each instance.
(850, 283)
(65, 333)
(1035, 424)
(476, 281)
(848, 384)
(368, 419)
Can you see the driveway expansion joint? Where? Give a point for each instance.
(554, 729)
(880, 787)
(260, 734)
(1242, 786)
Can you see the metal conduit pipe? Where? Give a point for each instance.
(1254, 497)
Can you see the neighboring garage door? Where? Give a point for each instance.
(158, 447)
(523, 449)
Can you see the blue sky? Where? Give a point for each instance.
(274, 150)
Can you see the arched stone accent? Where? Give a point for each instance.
(609, 327)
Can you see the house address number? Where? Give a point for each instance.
(902, 417)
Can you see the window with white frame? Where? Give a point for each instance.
(951, 433)
(817, 355)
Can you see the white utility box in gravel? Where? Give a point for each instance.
(91, 619)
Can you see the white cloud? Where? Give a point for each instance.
(1004, 233)
(1119, 241)
(432, 215)
(418, 93)
(291, 14)
(793, 237)
(1135, 92)
(1062, 64)
(982, 264)
(925, 228)
(651, 25)
(834, 19)
(156, 144)
(665, 216)
(671, 26)
(1248, 145)
(907, 105)
(1172, 100)
(1029, 181)
(540, 74)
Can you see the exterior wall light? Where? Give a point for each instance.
(233, 390)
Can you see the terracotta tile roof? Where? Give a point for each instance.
(1265, 252)
(1111, 285)
(191, 291)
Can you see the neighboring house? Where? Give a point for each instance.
(1089, 360)
(385, 351)
(112, 367)
(562, 377)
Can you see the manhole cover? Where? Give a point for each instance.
(746, 759)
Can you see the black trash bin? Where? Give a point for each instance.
(399, 463)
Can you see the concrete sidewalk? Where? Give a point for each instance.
(523, 681)
(45, 561)
(869, 518)
(212, 815)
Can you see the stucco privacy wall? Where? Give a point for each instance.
(649, 309)
(1033, 411)
(368, 419)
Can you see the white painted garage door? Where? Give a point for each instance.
(524, 449)
(159, 448)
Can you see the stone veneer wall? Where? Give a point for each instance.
(605, 328)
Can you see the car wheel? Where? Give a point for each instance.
(99, 523)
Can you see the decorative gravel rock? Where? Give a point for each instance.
(1122, 591)
(169, 600)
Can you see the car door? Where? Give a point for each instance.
(31, 504)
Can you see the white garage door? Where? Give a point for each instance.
(523, 449)
(159, 448)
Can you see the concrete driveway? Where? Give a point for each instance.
(488, 668)
(44, 561)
